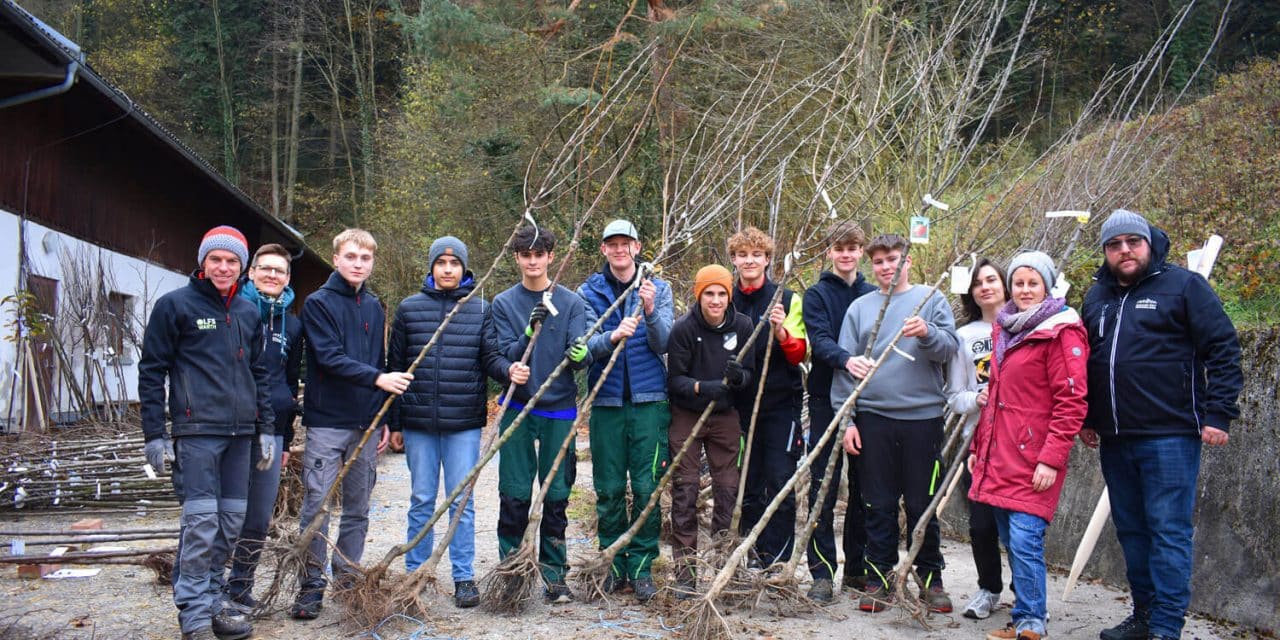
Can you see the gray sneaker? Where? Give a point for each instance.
(981, 604)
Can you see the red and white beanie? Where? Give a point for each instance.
(227, 238)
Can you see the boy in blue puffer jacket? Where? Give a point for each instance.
(630, 416)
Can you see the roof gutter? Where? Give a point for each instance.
(47, 92)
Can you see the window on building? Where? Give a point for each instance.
(120, 327)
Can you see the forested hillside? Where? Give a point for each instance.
(426, 117)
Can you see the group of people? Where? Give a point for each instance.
(1028, 373)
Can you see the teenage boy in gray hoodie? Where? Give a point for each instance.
(896, 425)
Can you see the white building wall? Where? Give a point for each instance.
(83, 271)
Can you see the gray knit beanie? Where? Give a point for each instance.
(447, 245)
(1038, 260)
(1123, 222)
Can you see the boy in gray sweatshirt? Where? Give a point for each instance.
(896, 425)
(518, 313)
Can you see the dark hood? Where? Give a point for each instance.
(830, 276)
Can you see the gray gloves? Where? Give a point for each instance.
(267, 445)
(157, 452)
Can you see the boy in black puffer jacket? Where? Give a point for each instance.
(438, 420)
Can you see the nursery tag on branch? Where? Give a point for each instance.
(1081, 216)
(919, 230)
(960, 278)
(546, 301)
(1060, 287)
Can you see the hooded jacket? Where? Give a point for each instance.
(345, 356)
(210, 349)
(281, 354)
(639, 375)
(1164, 358)
(825, 304)
(783, 386)
(699, 352)
(1035, 409)
(449, 391)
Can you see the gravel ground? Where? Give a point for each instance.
(125, 602)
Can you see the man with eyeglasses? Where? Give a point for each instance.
(1164, 375)
(268, 289)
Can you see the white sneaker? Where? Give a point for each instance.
(981, 604)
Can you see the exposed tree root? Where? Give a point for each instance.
(511, 585)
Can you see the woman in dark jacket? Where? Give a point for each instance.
(438, 419)
(701, 369)
(1036, 407)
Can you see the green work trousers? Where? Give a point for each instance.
(532, 450)
(630, 440)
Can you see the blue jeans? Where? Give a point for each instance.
(1152, 483)
(1023, 535)
(427, 453)
(264, 484)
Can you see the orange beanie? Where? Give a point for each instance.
(709, 275)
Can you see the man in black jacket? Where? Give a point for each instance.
(825, 305)
(343, 323)
(438, 420)
(268, 289)
(207, 342)
(701, 370)
(1164, 375)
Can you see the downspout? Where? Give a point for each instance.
(47, 92)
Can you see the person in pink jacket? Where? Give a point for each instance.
(1036, 407)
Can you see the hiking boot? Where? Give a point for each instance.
(558, 593)
(981, 604)
(935, 596)
(1132, 628)
(875, 598)
(203, 633)
(644, 588)
(465, 594)
(857, 583)
(231, 627)
(613, 583)
(821, 591)
(307, 606)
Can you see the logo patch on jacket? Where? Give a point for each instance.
(1145, 303)
(731, 341)
(206, 324)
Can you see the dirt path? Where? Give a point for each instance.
(124, 601)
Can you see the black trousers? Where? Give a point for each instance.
(822, 545)
(776, 447)
(900, 459)
(984, 539)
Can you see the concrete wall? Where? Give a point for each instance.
(1237, 539)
